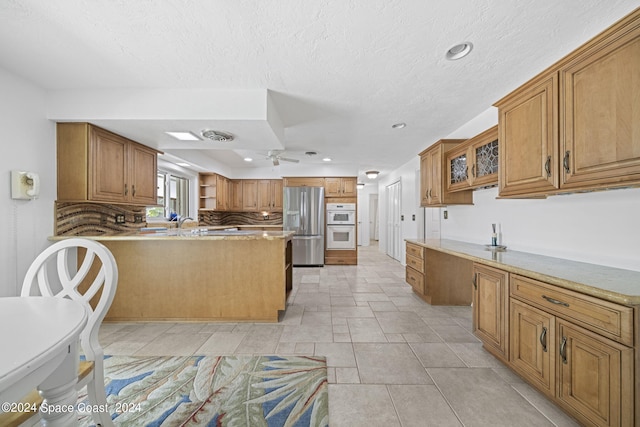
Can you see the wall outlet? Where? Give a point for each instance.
(137, 218)
(413, 217)
(446, 214)
(119, 218)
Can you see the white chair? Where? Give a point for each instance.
(98, 265)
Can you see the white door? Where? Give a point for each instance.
(394, 227)
(374, 225)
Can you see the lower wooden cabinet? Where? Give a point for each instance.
(438, 278)
(491, 309)
(574, 348)
(341, 257)
(533, 350)
(595, 377)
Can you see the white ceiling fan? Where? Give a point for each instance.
(276, 156)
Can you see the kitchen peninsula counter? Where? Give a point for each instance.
(181, 274)
(608, 283)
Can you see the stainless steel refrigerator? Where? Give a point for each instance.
(304, 214)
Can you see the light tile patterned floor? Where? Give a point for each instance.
(393, 359)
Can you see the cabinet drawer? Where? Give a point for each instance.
(415, 250)
(603, 317)
(415, 279)
(415, 263)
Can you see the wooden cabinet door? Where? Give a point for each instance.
(349, 188)
(108, 167)
(142, 176)
(458, 161)
(222, 193)
(532, 345)
(303, 181)
(595, 377)
(264, 195)
(600, 134)
(249, 195)
(528, 134)
(435, 176)
(276, 195)
(332, 187)
(235, 195)
(424, 179)
(484, 152)
(490, 309)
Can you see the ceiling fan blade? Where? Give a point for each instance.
(289, 160)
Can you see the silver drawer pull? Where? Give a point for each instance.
(555, 301)
(543, 339)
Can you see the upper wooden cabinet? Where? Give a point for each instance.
(270, 195)
(474, 163)
(235, 195)
(219, 193)
(296, 181)
(340, 187)
(99, 166)
(213, 192)
(576, 125)
(433, 191)
(250, 195)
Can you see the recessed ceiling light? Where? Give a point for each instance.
(217, 135)
(183, 164)
(248, 159)
(184, 136)
(398, 125)
(326, 159)
(459, 51)
(372, 174)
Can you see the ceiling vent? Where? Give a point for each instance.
(216, 135)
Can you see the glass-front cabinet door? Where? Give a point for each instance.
(458, 168)
(484, 171)
(474, 163)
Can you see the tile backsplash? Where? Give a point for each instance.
(92, 219)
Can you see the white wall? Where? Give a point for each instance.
(28, 143)
(406, 174)
(598, 227)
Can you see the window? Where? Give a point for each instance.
(173, 197)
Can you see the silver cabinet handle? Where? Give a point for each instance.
(555, 301)
(547, 166)
(565, 162)
(475, 281)
(543, 339)
(563, 350)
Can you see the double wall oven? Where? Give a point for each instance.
(341, 226)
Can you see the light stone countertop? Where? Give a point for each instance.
(608, 283)
(189, 234)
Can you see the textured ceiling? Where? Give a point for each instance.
(336, 73)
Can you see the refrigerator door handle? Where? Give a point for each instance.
(316, 236)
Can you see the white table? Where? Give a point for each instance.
(39, 348)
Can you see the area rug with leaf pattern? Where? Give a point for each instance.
(271, 391)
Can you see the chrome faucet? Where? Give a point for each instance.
(181, 220)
